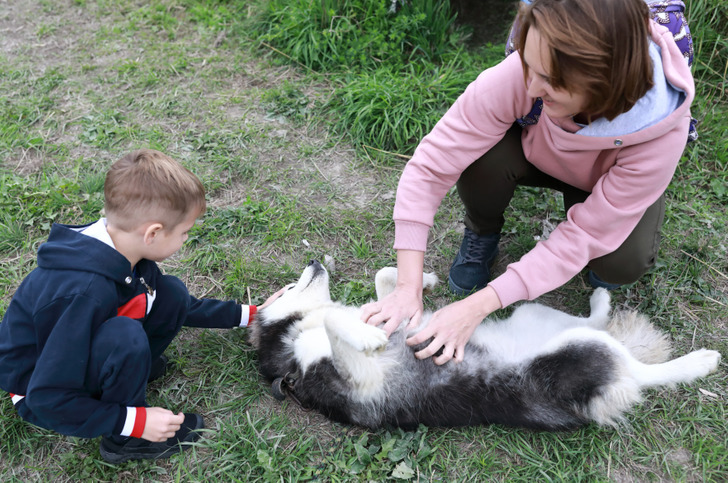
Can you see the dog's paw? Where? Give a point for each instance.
(384, 281)
(599, 299)
(704, 361)
(368, 339)
(599, 303)
(354, 333)
(429, 280)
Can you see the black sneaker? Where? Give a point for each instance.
(597, 282)
(471, 269)
(159, 368)
(116, 449)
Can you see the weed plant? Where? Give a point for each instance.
(287, 111)
(399, 69)
(358, 35)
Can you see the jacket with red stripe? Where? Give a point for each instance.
(46, 333)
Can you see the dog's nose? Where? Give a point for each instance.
(316, 266)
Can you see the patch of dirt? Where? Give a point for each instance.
(24, 162)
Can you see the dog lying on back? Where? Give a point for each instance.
(540, 368)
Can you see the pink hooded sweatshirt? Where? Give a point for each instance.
(625, 174)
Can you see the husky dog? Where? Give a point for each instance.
(540, 368)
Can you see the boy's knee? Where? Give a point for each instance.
(120, 338)
(119, 362)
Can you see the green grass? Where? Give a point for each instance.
(300, 147)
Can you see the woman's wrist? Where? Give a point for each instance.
(409, 270)
(484, 302)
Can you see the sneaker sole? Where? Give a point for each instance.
(116, 458)
(457, 290)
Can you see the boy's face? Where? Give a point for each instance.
(167, 242)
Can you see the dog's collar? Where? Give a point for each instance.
(286, 386)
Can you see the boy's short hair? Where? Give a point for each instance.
(147, 185)
(597, 47)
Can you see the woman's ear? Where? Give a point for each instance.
(152, 232)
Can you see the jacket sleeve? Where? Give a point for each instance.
(203, 313)
(57, 394)
(477, 120)
(213, 314)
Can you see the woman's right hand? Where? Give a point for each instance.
(405, 302)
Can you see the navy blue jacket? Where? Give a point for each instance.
(46, 332)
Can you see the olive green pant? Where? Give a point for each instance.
(487, 186)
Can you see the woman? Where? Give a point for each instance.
(615, 93)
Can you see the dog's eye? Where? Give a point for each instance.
(289, 286)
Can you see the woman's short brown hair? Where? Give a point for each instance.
(147, 185)
(597, 47)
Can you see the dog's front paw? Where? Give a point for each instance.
(429, 280)
(384, 281)
(368, 339)
(351, 331)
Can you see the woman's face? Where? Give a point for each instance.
(556, 102)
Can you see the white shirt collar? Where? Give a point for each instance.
(99, 232)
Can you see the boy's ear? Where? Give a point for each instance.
(151, 232)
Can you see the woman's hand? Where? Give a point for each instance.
(452, 326)
(405, 302)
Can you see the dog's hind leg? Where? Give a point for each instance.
(386, 280)
(599, 304)
(580, 376)
(631, 376)
(606, 377)
(355, 348)
(687, 368)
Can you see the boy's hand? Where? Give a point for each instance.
(272, 298)
(161, 424)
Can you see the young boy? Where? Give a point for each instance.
(86, 330)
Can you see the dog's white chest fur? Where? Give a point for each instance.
(338, 333)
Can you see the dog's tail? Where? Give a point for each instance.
(646, 343)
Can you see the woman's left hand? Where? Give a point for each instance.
(452, 326)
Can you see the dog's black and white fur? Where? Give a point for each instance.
(540, 368)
